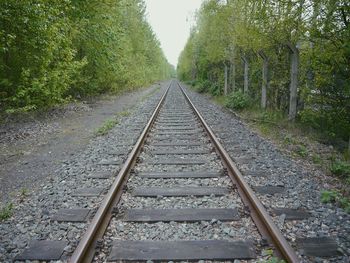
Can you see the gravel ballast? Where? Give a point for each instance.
(241, 230)
(31, 219)
(262, 164)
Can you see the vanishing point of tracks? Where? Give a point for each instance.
(178, 146)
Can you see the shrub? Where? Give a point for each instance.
(237, 100)
(203, 86)
(200, 89)
(214, 89)
(310, 118)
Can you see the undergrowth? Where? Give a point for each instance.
(237, 100)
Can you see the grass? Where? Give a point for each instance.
(221, 100)
(316, 159)
(23, 191)
(125, 113)
(111, 123)
(271, 259)
(106, 127)
(6, 212)
(301, 151)
(150, 94)
(336, 197)
(23, 194)
(341, 169)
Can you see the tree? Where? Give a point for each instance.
(52, 51)
(304, 70)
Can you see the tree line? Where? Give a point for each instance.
(52, 51)
(291, 56)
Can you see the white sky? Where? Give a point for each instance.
(171, 21)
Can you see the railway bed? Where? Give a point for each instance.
(179, 196)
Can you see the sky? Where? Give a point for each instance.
(171, 21)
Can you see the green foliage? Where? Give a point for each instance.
(225, 33)
(215, 89)
(333, 196)
(106, 127)
(344, 202)
(201, 89)
(316, 159)
(341, 168)
(274, 260)
(6, 212)
(271, 259)
(301, 151)
(329, 196)
(203, 86)
(288, 139)
(51, 51)
(38, 64)
(267, 252)
(24, 192)
(237, 100)
(124, 113)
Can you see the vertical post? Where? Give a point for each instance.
(294, 72)
(246, 75)
(233, 76)
(232, 72)
(226, 79)
(265, 80)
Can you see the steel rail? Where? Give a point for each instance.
(85, 250)
(260, 216)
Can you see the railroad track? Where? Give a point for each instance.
(179, 196)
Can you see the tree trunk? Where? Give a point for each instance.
(246, 75)
(226, 79)
(233, 75)
(265, 80)
(294, 72)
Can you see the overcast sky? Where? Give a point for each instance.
(171, 20)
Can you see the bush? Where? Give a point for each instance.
(309, 117)
(237, 100)
(51, 51)
(191, 83)
(200, 89)
(203, 86)
(215, 89)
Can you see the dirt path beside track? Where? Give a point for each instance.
(30, 152)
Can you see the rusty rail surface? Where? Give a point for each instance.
(258, 212)
(85, 250)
